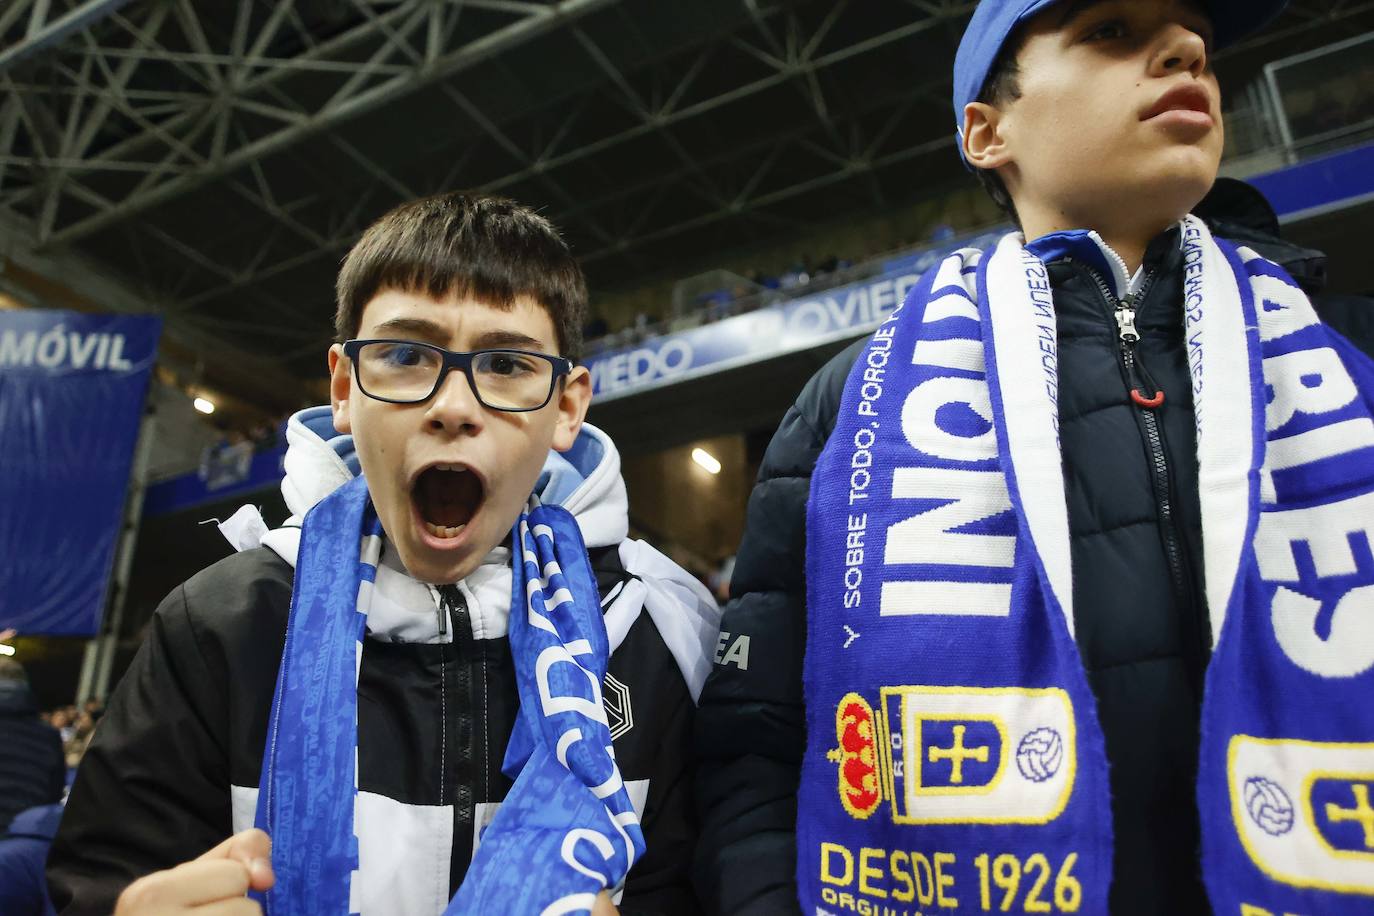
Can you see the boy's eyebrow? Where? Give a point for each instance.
(1075, 8)
(499, 340)
(418, 327)
(1196, 8)
(1078, 7)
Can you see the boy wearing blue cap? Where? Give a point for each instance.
(1085, 608)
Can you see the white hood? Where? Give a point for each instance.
(585, 480)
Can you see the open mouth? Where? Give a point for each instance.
(446, 497)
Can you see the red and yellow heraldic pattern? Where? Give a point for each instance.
(856, 732)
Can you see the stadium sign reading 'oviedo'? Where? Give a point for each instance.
(785, 327)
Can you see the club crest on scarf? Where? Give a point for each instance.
(954, 759)
(951, 756)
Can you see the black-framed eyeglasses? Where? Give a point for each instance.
(410, 372)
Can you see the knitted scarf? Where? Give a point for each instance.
(566, 830)
(954, 760)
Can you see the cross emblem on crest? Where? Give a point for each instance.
(956, 754)
(1362, 813)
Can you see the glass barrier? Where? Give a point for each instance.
(1324, 99)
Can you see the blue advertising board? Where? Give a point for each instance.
(1304, 189)
(785, 327)
(261, 470)
(1317, 185)
(72, 390)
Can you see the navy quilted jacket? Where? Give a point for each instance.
(1142, 622)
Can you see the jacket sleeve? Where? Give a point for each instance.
(654, 746)
(1352, 317)
(152, 790)
(750, 727)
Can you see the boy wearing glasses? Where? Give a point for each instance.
(514, 722)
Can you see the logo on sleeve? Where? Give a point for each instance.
(615, 697)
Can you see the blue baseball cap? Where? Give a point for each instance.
(995, 20)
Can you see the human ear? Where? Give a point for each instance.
(983, 138)
(574, 397)
(340, 387)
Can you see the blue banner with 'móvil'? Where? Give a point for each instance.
(72, 389)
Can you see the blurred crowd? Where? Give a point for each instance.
(230, 459)
(1343, 103)
(36, 753)
(75, 724)
(755, 290)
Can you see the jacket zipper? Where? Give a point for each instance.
(1147, 398)
(453, 605)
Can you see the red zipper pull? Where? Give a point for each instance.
(1148, 403)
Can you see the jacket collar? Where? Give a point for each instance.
(1088, 247)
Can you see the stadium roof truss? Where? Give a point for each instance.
(220, 157)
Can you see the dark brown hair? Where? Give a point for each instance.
(489, 248)
(1003, 85)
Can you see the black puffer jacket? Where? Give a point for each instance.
(1142, 624)
(32, 769)
(176, 760)
(174, 766)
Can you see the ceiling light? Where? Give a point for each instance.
(204, 405)
(706, 460)
(6, 650)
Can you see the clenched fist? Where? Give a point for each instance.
(212, 885)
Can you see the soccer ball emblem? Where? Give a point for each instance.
(1039, 754)
(1269, 806)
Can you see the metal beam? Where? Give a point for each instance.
(97, 282)
(578, 207)
(338, 110)
(412, 54)
(43, 34)
(778, 195)
(676, 115)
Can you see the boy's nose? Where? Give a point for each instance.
(1180, 48)
(454, 407)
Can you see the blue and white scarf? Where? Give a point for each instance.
(567, 829)
(954, 761)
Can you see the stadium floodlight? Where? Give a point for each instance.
(706, 460)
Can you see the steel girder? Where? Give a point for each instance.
(79, 102)
(180, 138)
(47, 26)
(792, 55)
(80, 108)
